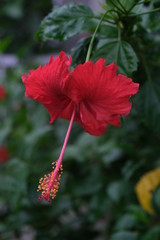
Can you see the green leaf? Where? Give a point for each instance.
(79, 52)
(13, 178)
(14, 9)
(127, 222)
(85, 141)
(147, 104)
(108, 32)
(139, 213)
(154, 19)
(90, 183)
(65, 21)
(110, 4)
(156, 200)
(127, 4)
(5, 131)
(119, 52)
(4, 43)
(110, 152)
(13, 181)
(123, 235)
(152, 234)
(131, 167)
(117, 190)
(73, 152)
(36, 134)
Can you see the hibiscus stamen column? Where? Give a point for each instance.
(49, 184)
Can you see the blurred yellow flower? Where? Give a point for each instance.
(145, 188)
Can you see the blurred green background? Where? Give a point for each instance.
(97, 198)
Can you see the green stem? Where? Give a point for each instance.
(148, 12)
(93, 37)
(105, 20)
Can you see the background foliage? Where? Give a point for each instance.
(97, 198)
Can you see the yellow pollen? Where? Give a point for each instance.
(49, 184)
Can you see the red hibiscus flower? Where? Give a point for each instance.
(4, 154)
(99, 95)
(92, 95)
(2, 92)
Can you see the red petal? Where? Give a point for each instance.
(89, 122)
(49, 85)
(102, 92)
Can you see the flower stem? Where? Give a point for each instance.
(59, 162)
(93, 37)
